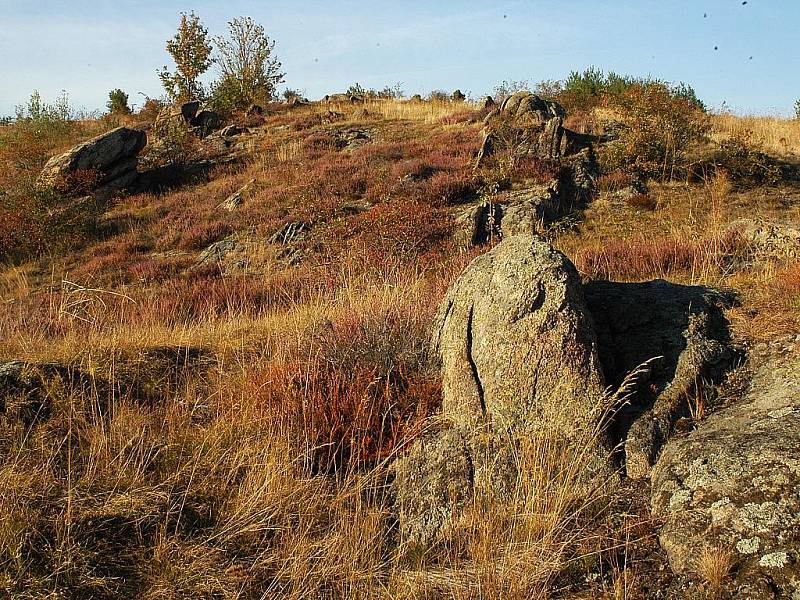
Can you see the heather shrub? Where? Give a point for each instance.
(33, 222)
(745, 162)
(659, 131)
(614, 181)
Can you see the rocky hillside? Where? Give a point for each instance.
(365, 348)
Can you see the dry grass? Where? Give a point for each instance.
(427, 111)
(263, 473)
(237, 435)
(714, 567)
(777, 135)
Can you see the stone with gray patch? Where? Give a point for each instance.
(734, 484)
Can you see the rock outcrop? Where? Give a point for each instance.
(527, 125)
(532, 208)
(733, 485)
(187, 117)
(110, 157)
(518, 355)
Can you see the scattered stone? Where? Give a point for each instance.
(206, 122)
(112, 156)
(254, 110)
(479, 224)
(738, 477)
(235, 200)
(769, 239)
(293, 231)
(231, 131)
(217, 251)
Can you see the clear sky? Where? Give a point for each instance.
(88, 47)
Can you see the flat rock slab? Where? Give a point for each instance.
(734, 485)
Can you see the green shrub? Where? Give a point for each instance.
(249, 70)
(797, 109)
(745, 163)
(659, 131)
(118, 103)
(356, 90)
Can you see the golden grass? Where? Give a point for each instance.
(213, 488)
(426, 112)
(774, 134)
(714, 567)
(210, 492)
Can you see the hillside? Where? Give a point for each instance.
(208, 379)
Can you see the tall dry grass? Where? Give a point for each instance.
(247, 453)
(432, 111)
(774, 134)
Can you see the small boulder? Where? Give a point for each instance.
(530, 126)
(206, 122)
(254, 110)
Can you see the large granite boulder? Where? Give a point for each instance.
(519, 358)
(111, 157)
(733, 486)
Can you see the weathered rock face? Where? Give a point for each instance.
(769, 239)
(514, 338)
(685, 327)
(112, 156)
(528, 125)
(518, 355)
(532, 208)
(734, 484)
(187, 117)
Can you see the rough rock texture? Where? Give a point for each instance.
(528, 125)
(112, 155)
(514, 338)
(206, 122)
(734, 484)
(532, 208)
(235, 200)
(686, 327)
(518, 355)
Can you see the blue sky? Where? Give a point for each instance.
(89, 47)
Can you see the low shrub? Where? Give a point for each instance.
(659, 131)
(745, 163)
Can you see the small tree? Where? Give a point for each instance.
(118, 103)
(249, 70)
(191, 51)
(797, 109)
